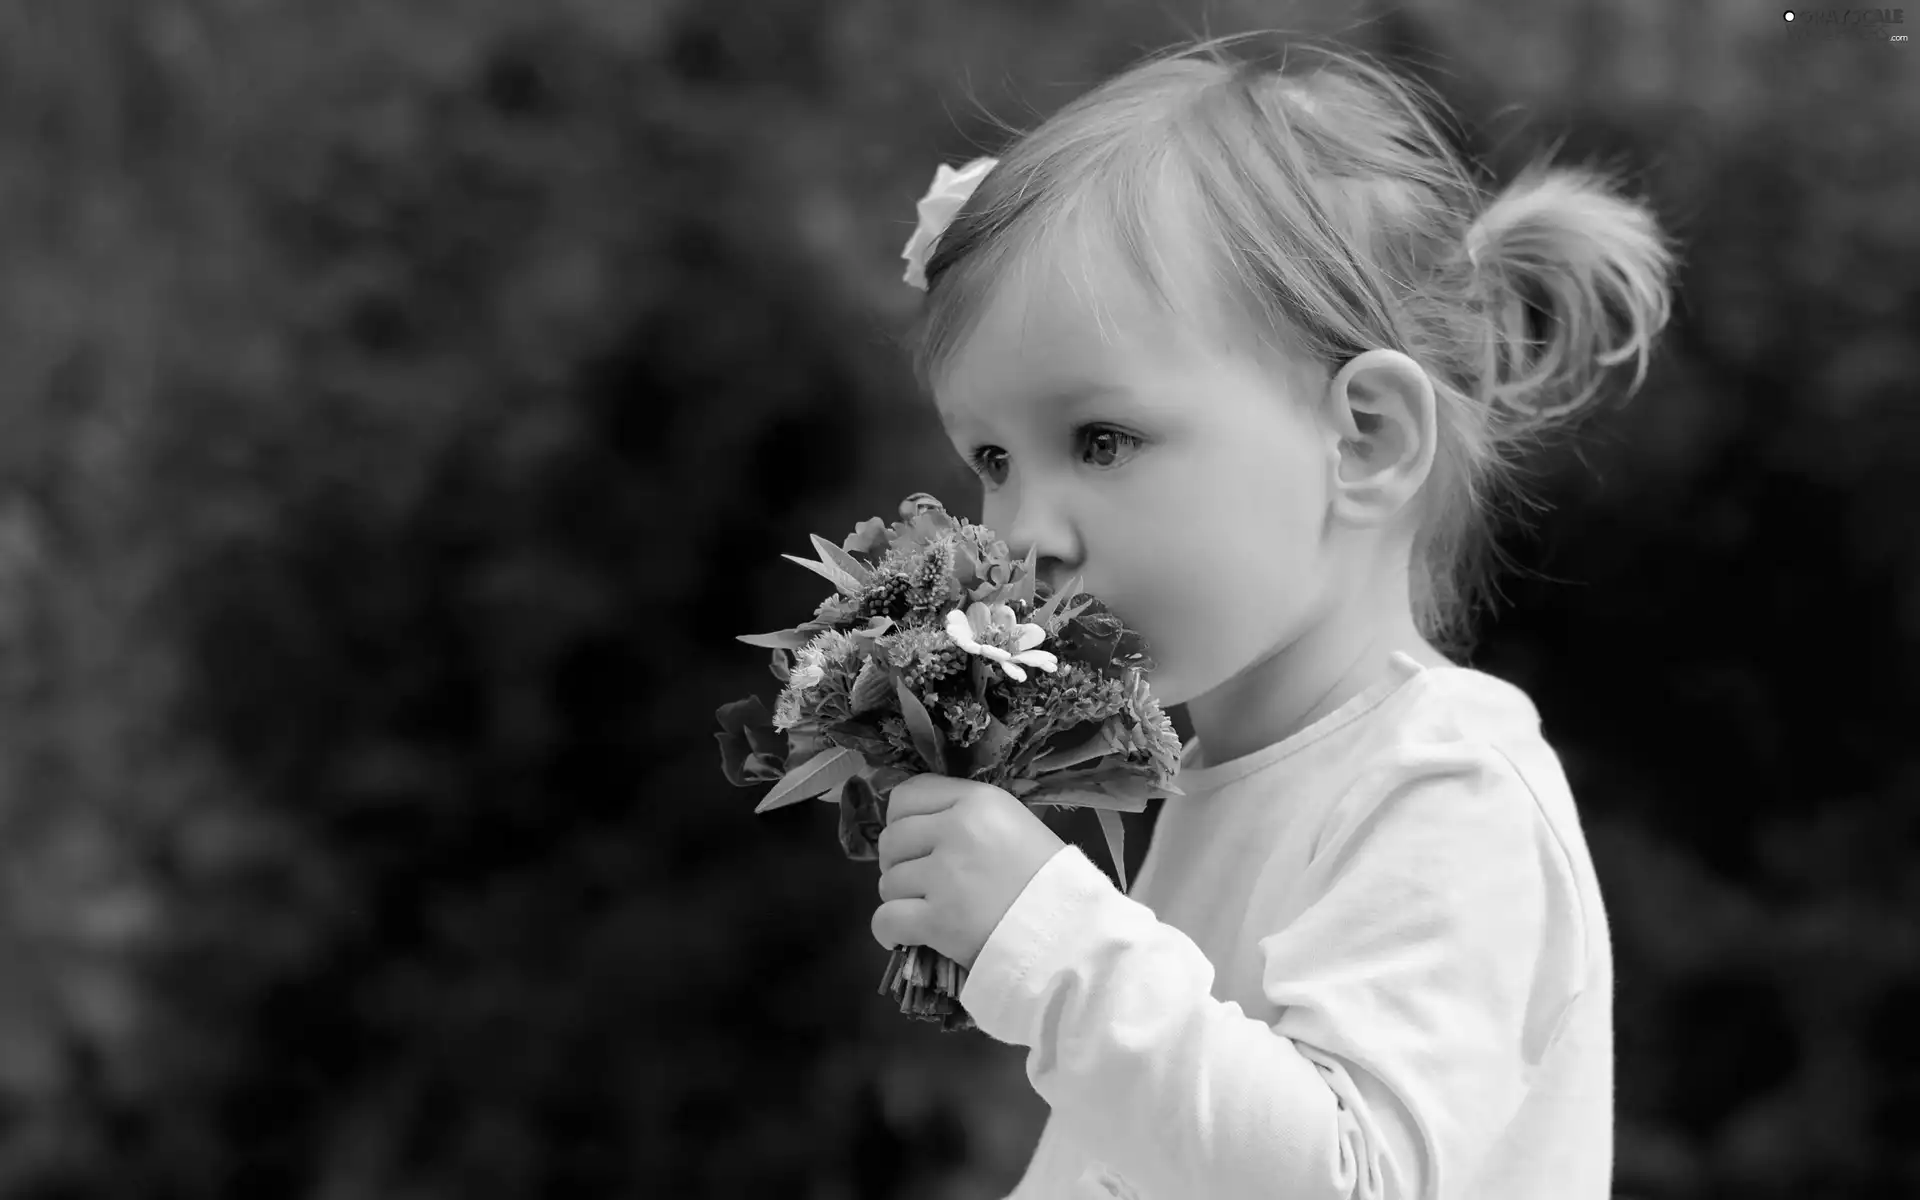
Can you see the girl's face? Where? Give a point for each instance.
(1184, 481)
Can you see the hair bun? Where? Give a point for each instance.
(1576, 280)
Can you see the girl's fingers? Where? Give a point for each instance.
(906, 881)
(900, 923)
(908, 838)
(921, 794)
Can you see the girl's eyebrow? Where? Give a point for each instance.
(1061, 399)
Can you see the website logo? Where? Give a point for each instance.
(1852, 24)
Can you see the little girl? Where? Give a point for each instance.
(1250, 352)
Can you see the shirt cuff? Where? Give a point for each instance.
(1033, 941)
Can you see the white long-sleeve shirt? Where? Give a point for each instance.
(1367, 961)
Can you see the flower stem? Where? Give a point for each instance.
(928, 986)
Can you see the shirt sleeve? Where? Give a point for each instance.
(1419, 984)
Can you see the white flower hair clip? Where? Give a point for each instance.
(937, 209)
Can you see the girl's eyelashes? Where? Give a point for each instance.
(1104, 445)
(983, 464)
(1120, 437)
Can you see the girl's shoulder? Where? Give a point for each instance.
(1419, 711)
(1469, 702)
(1458, 756)
(1459, 727)
(1449, 718)
(1447, 711)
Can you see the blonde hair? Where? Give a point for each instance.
(1327, 200)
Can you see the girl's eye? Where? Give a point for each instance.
(983, 464)
(1103, 449)
(1107, 436)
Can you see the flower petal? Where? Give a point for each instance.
(1013, 672)
(1042, 659)
(1003, 618)
(978, 618)
(1028, 636)
(936, 210)
(995, 653)
(961, 632)
(915, 254)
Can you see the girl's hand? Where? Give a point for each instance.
(954, 857)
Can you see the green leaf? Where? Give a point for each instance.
(822, 773)
(876, 628)
(861, 736)
(765, 739)
(803, 742)
(737, 716)
(1102, 625)
(1131, 789)
(1083, 797)
(744, 767)
(834, 555)
(926, 739)
(733, 758)
(871, 687)
(991, 749)
(983, 676)
(1117, 776)
(869, 537)
(1044, 615)
(764, 768)
(1116, 842)
(966, 566)
(1022, 588)
(749, 744)
(785, 639)
(1071, 611)
(1099, 745)
(1099, 638)
(861, 822)
(886, 778)
(1121, 785)
(834, 575)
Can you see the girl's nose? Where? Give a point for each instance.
(1045, 529)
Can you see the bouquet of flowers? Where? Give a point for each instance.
(928, 658)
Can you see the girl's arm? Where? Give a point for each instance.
(1418, 988)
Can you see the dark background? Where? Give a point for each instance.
(406, 403)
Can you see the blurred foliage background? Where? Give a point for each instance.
(407, 402)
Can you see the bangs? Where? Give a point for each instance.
(1131, 228)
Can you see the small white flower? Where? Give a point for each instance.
(936, 211)
(814, 657)
(989, 631)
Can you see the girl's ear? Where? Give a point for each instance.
(1381, 407)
